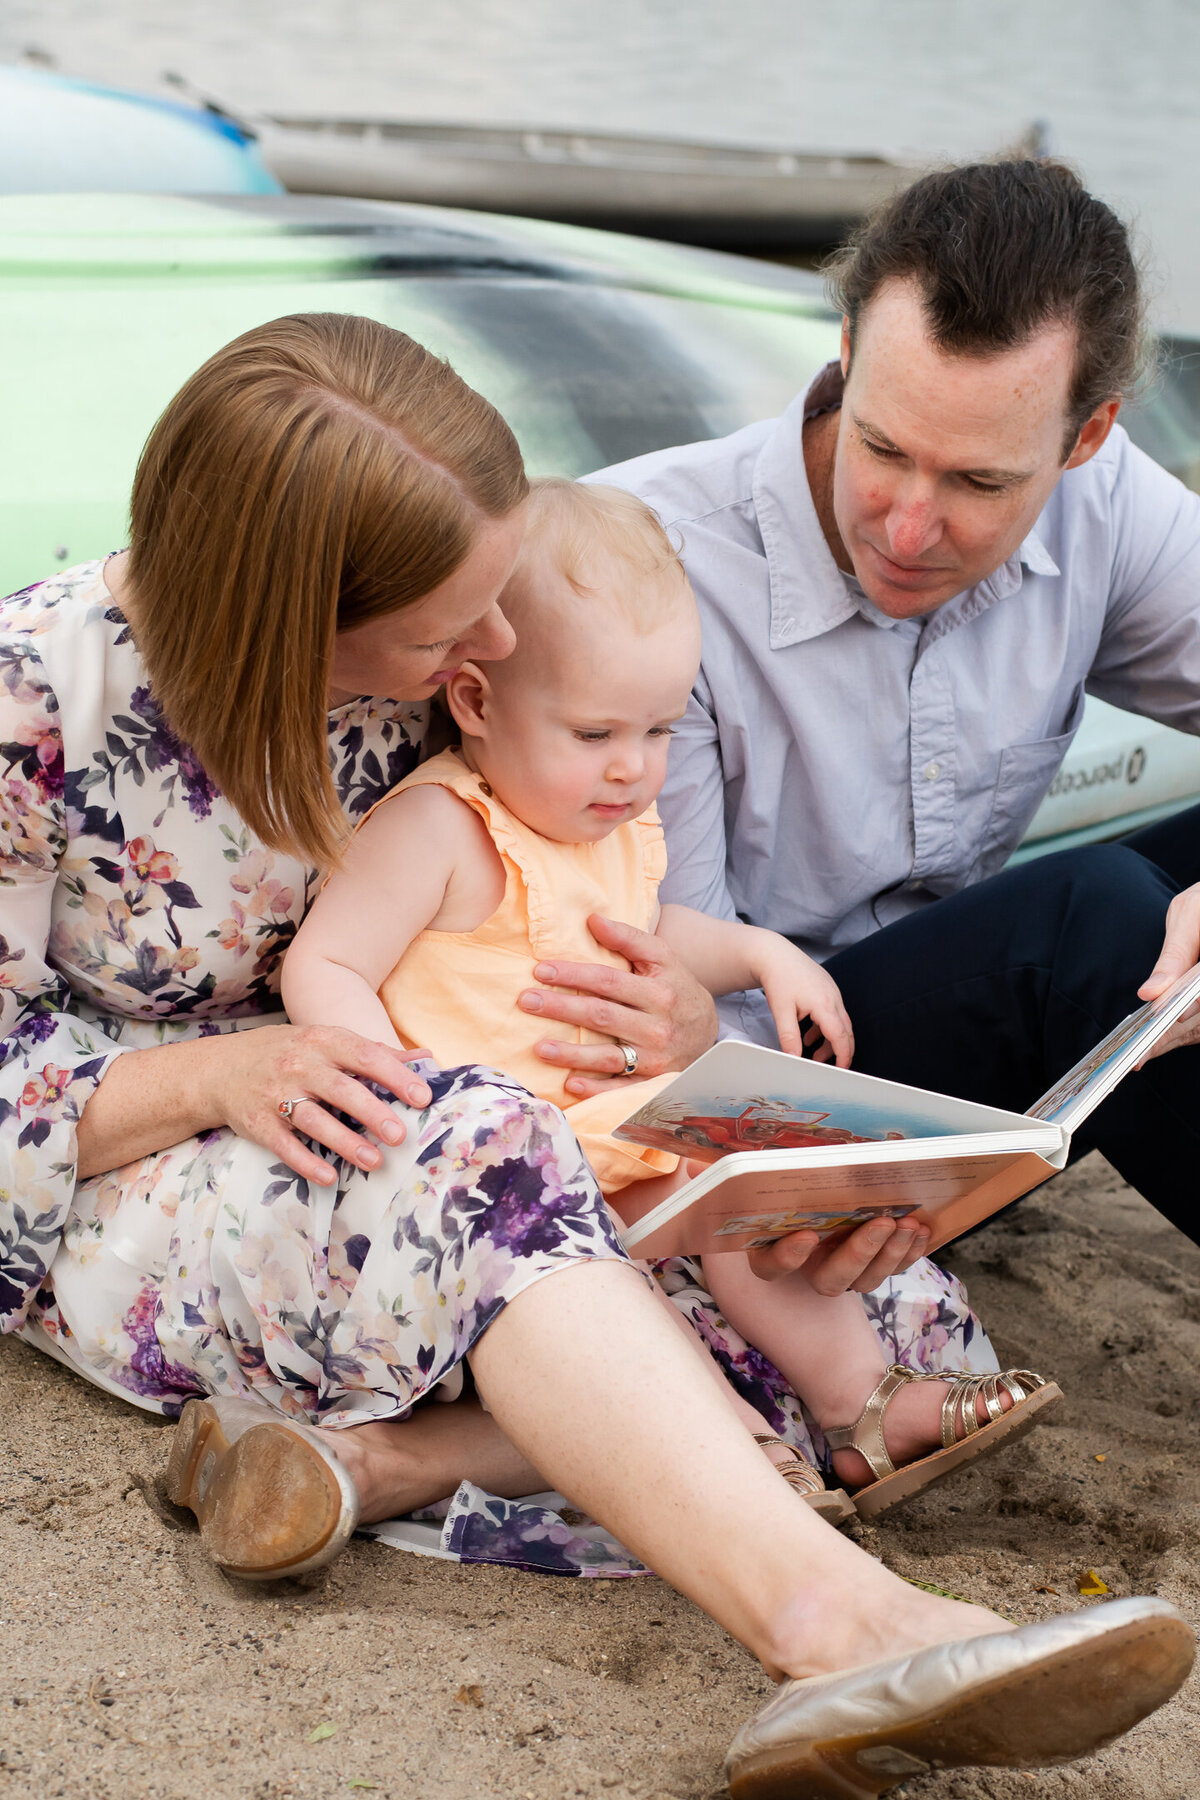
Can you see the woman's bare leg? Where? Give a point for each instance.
(777, 1453)
(400, 1464)
(594, 1386)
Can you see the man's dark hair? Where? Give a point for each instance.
(999, 250)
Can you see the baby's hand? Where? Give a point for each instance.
(798, 988)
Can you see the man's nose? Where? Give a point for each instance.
(914, 524)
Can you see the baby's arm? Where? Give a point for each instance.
(727, 957)
(391, 886)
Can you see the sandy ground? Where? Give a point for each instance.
(132, 1668)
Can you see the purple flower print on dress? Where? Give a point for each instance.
(161, 748)
(521, 1213)
(481, 1528)
(147, 1371)
(35, 1029)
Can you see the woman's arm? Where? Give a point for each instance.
(151, 1099)
(339, 1038)
(728, 957)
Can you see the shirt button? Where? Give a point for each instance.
(932, 771)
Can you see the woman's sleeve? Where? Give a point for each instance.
(50, 1061)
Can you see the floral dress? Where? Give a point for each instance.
(136, 909)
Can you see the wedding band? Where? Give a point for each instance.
(631, 1059)
(286, 1108)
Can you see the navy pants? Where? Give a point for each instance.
(993, 993)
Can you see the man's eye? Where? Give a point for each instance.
(879, 450)
(984, 487)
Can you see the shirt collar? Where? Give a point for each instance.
(1037, 559)
(809, 593)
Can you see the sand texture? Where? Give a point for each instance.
(133, 1668)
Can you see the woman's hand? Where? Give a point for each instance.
(657, 1007)
(859, 1262)
(323, 1070)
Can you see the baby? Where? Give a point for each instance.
(489, 859)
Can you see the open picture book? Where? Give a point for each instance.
(795, 1145)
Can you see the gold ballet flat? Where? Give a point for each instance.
(1046, 1693)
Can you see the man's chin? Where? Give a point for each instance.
(896, 598)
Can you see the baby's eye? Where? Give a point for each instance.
(661, 731)
(592, 737)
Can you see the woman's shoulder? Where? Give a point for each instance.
(373, 745)
(433, 792)
(74, 599)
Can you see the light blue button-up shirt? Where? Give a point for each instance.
(837, 769)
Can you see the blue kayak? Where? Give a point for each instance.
(64, 136)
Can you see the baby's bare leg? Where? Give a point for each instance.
(822, 1344)
(826, 1348)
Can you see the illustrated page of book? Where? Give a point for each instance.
(1095, 1075)
(752, 1206)
(744, 1097)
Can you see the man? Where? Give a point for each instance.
(906, 583)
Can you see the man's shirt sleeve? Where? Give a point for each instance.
(1148, 659)
(692, 809)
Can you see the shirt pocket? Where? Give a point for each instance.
(1022, 781)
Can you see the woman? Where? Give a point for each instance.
(191, 1207)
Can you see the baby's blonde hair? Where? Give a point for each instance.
(590, 531)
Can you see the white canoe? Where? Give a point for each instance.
(722, 196)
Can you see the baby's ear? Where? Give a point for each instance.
(467, 696)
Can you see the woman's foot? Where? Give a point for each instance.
(913, 1430)
(854, 1610)
(398, 1465)
(269, 1496)
(1042, 1694)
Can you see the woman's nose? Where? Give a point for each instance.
(495, 638)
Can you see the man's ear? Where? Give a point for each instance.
(468, 695)
(845, 347)
(1094, 432)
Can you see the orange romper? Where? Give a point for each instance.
(456, 991)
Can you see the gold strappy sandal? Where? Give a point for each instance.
(963, 1437)
(833, 1505)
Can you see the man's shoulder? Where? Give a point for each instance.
(691, 481)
